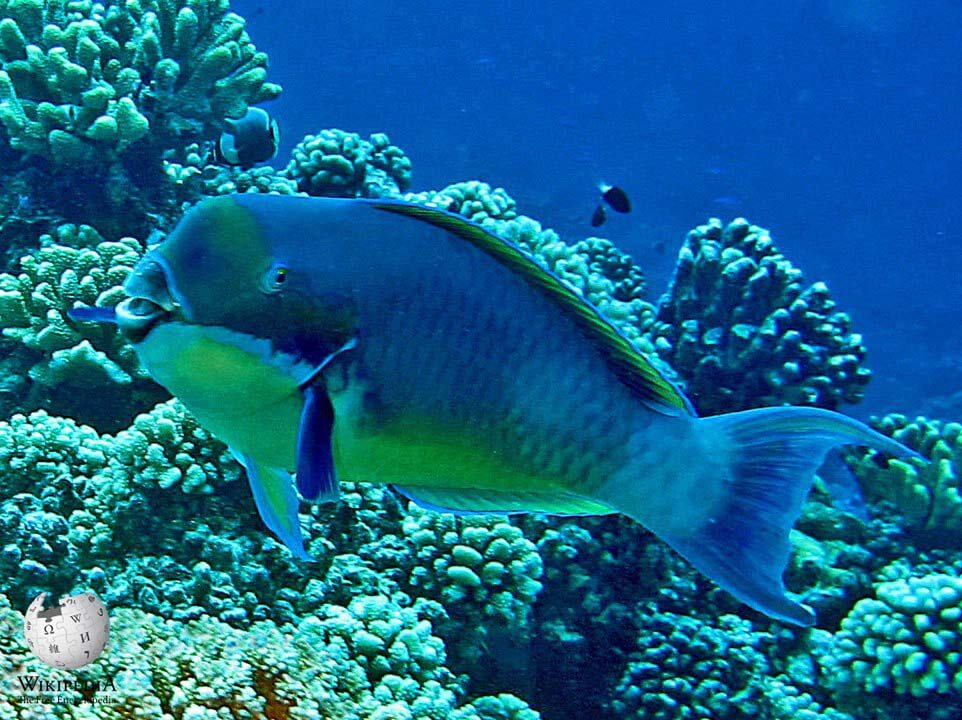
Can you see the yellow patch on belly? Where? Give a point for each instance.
(420, 452)
(246, 402)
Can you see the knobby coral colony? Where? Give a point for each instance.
(111, 486)
(94, 95)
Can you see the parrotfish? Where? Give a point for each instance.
(329, 340)
(248, 140)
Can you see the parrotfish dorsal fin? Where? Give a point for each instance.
(630, 366)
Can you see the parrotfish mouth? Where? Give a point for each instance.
(150, 300)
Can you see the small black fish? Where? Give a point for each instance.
(616, 198)
(599, 216)
(249, 140)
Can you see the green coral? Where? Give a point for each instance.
(686, 668)
(195, 177)
(743, 328)
(482, 570)
(474, 199)
(926, 495)
(72, 362)
(903, 642)
(81, 81)
(320, 667)
(336, 163)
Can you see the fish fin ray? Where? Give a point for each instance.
(93, 314)
(463, 501)
(744, 547)
(316, 479)
(631, 367)
(277, 503)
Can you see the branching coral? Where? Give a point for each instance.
(70, 361)
(81, 81)
(903, 642)
(335, 163)
(744, 329)
(482, 570)
(474, 199)
(196, 177)
(926, 495)
(685, 668)
(372, 659)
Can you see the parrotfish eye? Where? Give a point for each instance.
(275, 278)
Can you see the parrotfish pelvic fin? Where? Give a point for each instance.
(316, 480)
(277, 503)
(632, 368)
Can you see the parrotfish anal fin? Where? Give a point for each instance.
(463, 501)
(316, 480)
(277, 503)
(630, 366)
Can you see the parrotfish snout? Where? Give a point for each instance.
(150, 300)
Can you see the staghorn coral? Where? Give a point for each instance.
(743, 328)
(335, 163)
(926, 496)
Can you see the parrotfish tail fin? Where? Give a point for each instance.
(277, 503)
(774, 453)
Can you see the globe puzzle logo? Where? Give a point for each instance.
(69, 635)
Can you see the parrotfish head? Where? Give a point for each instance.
(219, 270)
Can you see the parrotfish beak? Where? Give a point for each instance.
(150, 300)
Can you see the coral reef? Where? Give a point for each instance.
(371, 659)
(80, 369)
(685, 668)
(110, 486)
(83, 82)
(335, 163)
(196, 177)
(481, 569)
(605, 275)
(925, 495)
(742, 326)
(900, 645)
(93, 94)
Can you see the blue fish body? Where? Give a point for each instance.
(379, 341)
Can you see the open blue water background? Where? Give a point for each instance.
(837, 124)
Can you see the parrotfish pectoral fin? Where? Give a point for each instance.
(93, 314)
(315, 457)
(775, 452)
(277, 503)
(462, 501)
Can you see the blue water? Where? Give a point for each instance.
(834, 123)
